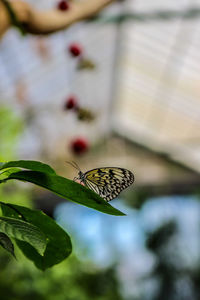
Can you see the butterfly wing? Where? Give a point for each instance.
(108, 182)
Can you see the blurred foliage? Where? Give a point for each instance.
(10, 128)
(15, 194)
(137, 197)
(175, 280)
(161, 236)
(140, 194)
(86, 63)
(84, 114)
(70, 280)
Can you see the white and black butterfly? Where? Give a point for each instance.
(108, 182)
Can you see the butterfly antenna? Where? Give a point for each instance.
(76, 165)
(73, 164)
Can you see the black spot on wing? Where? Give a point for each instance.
(111, 181)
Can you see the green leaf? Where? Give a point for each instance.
(24, 231)
(7, 172)
(6, 243)
(59, 244)
(67, 189)
(28, 164)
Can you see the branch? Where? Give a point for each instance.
(38, 22)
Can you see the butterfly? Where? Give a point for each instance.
(108, 182)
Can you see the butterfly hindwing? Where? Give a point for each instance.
(108, 182)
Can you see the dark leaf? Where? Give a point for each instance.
(6, 243)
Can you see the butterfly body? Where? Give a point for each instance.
(108, 182)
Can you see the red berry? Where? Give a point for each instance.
(71, 103)
(63, 5)
(79, 145)
(75, 49)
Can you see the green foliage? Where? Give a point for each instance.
(28, 164)
(99, 285)
(10, 128)
(37, 235)
(58, 242)
(64, 187)
(24, 231)
(70, 280)
(12, 192)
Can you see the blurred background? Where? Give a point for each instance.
(121, 89)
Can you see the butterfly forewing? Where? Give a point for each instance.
(108, 182)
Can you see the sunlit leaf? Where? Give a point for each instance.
(5, 173)
(28, 164)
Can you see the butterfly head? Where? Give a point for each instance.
(80, 178)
